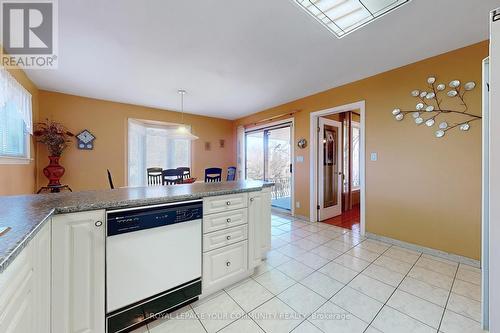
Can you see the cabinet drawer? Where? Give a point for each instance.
(224, 203)
(224, 237)
(224, 220)
(224, 263)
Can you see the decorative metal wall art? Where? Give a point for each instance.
(431, 107)
(302, 143)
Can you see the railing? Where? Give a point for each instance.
(282, 187)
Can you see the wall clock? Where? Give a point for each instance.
(85, 140)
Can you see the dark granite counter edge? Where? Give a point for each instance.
(9, 257)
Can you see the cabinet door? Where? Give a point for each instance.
(224, 264)
(25, 288)
(265, 230)
(254, 229)
(42, 273)
(78, 258)
(16, 295)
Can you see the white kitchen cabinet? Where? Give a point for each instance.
(224, 264)
(25, 288)
(265, 223)
(223, 203)
(259, 226)
(78, 272)
(42, 268)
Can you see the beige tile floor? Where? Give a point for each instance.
(321, 278)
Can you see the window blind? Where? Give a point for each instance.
(15, 117)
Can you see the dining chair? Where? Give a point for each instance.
(154, 176)
(110, 180)
(171, 177)
(186, 172)
(231, 173)
(213, 175)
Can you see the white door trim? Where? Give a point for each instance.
(313, 169)
(328, 212)
(292, 151)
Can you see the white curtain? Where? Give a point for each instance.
(14, 93)
(241, 151)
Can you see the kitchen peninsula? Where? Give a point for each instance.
(55, 256)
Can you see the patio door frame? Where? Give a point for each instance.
(313, 168)
(271, 125)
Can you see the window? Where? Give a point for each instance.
(355, 172)
(15, 120)
(356, 180)
(154, 144)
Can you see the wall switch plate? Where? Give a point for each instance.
(297, 204)
(300, 159)
(373, 157)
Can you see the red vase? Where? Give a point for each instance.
(54, 171)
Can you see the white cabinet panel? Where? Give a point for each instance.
(224, 203)
(43, 273)
(25, 288)
(224, 220)
(259, 226)
(255, 204)
(224, 237)
(16, 295)
(265, 224)
(78, 257)
(224, 263)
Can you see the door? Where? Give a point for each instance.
(259, 226)
(78, 254)
(269, 157)
(329, 169)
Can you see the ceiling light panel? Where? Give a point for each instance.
(344, 16)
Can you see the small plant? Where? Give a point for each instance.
(54, 135)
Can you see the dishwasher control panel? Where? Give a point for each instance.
(140, 218)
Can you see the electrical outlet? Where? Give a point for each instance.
(373, 157)
(300, 159)
(297, 204)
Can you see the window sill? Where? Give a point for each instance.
(15, 160)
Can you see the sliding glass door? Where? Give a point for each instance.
(269, 157)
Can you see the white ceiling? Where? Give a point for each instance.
(237, 57)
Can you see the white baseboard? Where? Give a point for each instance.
(427, 250)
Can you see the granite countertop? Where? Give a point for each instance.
(26, 214)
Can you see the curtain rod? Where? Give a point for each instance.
(291, 113)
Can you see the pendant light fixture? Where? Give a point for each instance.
(183, 131)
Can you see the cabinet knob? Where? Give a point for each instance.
(228, 203)
(98, 223)
(228, 220)
(228, 263)
(228, 237)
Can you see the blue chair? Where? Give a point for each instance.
(171, 177)
(213, 175)
(186, 172)
(231, 174)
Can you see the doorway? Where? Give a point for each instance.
(269, 158)
(337, 166)
(329, 168)
(338, 169)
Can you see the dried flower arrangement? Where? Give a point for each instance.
(54, 135)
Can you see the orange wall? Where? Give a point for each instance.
(86, 170)
(421, 190)
(20, 178)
